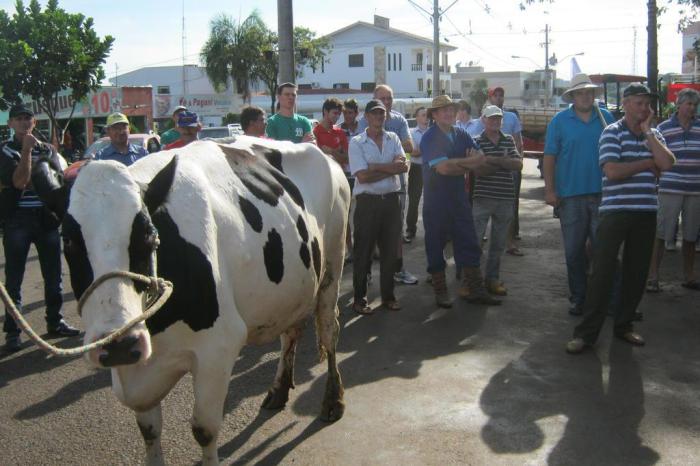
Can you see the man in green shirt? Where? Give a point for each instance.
(285, 125)
(172, 134)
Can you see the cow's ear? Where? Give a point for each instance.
(157, 190)
(49, 185)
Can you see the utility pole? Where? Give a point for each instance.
(184, 77)
(546, 66)
(652, 48)
(436, 49)
(285, 30)
(634, 52)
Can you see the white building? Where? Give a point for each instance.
(364, 55)
(522, 88)
(689, 63)
(172, 87)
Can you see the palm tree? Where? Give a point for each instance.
(232, 50)
(478, 95)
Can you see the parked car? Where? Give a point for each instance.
(150, 142)
(216, 132)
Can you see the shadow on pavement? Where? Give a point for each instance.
(545, 381)
(15, 366)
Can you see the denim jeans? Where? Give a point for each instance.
(21, 230)
(415, 191)
(501, 212)
(578, 216)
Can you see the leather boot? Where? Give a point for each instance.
(473, 289)
(442, 296)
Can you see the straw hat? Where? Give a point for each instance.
(441, 101)
(580, 81)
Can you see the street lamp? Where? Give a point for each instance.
(553, 60)
(526, 58)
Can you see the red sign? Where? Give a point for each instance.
(674, 89)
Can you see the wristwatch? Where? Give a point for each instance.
(648, 133)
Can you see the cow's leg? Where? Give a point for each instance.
(278, 394)
(151, 424)
(210, 378)
(327, 328)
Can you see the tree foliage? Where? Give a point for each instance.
(44, 52)
(478, 95)
(246, 52)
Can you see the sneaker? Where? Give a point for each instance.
(575, 309)
(405, 277)
(62, 329)
(13, 343)
(575, 346)
(408, 237)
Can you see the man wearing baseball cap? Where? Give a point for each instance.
(187, 126)
(26, 221)
(172, 134)
(376, 160)
(119, 148)
(632, 155)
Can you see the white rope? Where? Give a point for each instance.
(157, 286)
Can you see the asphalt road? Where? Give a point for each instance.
(470, 385)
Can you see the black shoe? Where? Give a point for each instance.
(62, 330)
(638, 316)
(576, 310)
(13, 343)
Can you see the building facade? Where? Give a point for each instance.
(364, 55)
(188, 86)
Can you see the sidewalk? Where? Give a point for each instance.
(470, 385)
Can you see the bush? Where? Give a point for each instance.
(231, 118)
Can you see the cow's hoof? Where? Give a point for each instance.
(332, 411)
(275, 399)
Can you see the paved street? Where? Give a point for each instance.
(470, 385)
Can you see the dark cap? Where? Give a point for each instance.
(20, 109)
(373, 105)
(637, 89)
(187, 120)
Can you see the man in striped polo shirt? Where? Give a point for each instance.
(679, 189)
(632, 155)
(27, 221)
(494, 192)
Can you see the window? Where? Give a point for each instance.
(388, 61)
(399, 62)
(394, 57)
(341, 85)
(163, 90)
(368, 87)
(356, 60)
(303, 86)
(420, 84)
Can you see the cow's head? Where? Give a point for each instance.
(108, 228)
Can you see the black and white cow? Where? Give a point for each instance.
(252, 236)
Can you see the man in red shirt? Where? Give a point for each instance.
(329, 137)
(188, 126)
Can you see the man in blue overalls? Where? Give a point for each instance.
(448, 154)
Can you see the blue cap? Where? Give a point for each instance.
(187, 119)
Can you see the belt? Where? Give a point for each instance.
(379, 196)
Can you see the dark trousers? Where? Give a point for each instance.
(415, 191)
(636, 230)
(21, 230)
(377, 221)
(515, 224)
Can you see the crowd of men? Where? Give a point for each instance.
(619, 188)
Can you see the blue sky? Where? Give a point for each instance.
(148, 33)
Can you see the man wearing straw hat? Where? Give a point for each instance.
(448, 154)
(572, 177)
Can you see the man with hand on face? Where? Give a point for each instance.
(448, 154)
(285, 125)
(119, 148)
(188, 126)
(632, 155)
(330, 138)
(573, 177)
(26, 220)
(376, 160)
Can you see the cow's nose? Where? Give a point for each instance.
(121, 352)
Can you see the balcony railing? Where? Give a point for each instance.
(417, 67)
(429, 68)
